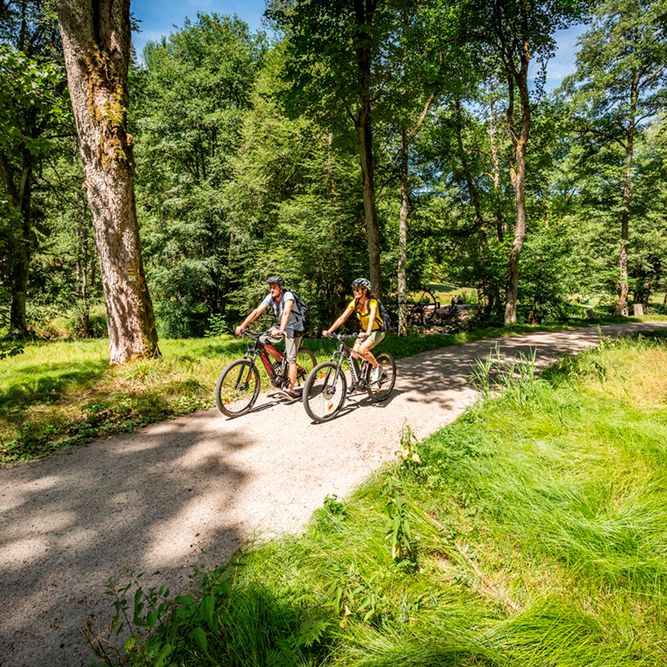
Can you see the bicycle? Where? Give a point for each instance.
(238, 386)
(326, 389)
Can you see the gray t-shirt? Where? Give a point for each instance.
(295, 322)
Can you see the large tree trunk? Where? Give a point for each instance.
(519, 235)
(364, 10)
(96, 43)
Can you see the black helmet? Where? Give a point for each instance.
(275, 280)
(361, 282)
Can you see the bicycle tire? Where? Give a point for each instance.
(237, 388)
(306, 361)
(380, 392)
(323, 393)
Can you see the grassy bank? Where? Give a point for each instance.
(531, 532)
(62, 394)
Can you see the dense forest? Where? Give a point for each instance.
(412, 142)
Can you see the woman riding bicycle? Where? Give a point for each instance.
(365, 305)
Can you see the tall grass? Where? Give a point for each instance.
(531, 532)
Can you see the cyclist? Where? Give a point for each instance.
(365, 305)
(290, 324)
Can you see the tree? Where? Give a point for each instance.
(517, 32)
(96, 44)
(32, 107)
(618, 87)
(191, 100)
(334, 51)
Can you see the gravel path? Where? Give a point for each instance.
(189, 491)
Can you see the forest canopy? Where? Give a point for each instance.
(410, 142)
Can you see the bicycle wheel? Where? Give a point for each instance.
(324, 393)
(378, 391)
(237, 388)
(306, 361)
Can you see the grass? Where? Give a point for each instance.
(531, 532)
(62, 394)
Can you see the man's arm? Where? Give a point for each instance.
(251, 317)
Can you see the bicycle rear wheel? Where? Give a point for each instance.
(306, 361)
(324, 392)
(237, 388)
(379, 391)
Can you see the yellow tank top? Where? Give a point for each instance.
(364, 315)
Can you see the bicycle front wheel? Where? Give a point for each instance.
(380, 390)
(305, 360)
(324, 392)
(237, 388)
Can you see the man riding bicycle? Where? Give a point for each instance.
(290, 324)
(367, 308)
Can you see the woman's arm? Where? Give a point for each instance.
(345, 314)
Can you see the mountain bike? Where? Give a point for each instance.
(238, 386)
(326, 388)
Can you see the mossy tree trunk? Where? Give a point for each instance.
(96, 43)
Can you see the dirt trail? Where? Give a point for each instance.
(154, 500)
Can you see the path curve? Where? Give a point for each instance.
(154, 500)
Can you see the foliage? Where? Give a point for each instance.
(191, 100)
(247, 161)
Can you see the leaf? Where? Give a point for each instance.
(199, 637)
(163, 655)
(207, 609)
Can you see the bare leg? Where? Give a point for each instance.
(363, 351)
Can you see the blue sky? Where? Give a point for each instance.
(163, 17)
(159, 18)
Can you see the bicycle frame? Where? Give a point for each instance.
(253, 349)
(359, 368)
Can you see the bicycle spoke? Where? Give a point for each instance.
(237, 388)
(380, 390)
(324, 392)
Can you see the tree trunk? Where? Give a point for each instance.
(622, 301)
(20, 262)
(364, 10)
(520, 143)
(403, 236)
(519, 233)
(96, 44)
(18, 185)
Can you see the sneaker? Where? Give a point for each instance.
(375, 374)
(293, 393)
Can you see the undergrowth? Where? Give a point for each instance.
(531, 532)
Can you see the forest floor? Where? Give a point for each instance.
(186, 493)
